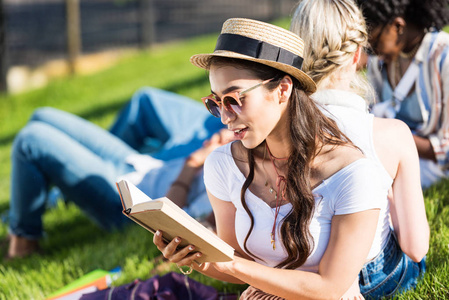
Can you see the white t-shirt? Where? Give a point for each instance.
(342, 193)
(350, 112)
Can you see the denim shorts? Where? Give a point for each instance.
(390, 273)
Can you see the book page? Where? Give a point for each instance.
(137, 195)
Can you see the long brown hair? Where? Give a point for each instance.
(310, 130)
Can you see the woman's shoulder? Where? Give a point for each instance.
(362, 174)
(356, 187)
(394, 143)
(220, 155)
(221, 173)
(391, 133)
(332, 161)
(346, 161)
(390, 127)
(226, 156)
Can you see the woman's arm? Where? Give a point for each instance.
(407, 205)
(396, 149)
(350, 241)
(438, 76)
(424, 147)
(179, 190)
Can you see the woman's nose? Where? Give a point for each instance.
(227, 116)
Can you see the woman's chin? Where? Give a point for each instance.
(250, 144)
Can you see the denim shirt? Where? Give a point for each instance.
(410, 111)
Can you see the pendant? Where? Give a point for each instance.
(273, 242)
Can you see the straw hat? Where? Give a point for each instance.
(262, 43)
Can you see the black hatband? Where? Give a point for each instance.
(257, 49)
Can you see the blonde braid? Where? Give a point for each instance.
(333, 30)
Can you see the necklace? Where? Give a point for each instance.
(395, 71)
(270, 189)
(411, 53)
(281, 185)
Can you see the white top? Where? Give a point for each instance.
(350, 112)
(337, 195)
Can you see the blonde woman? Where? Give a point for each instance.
(293, 196)
(335, 32)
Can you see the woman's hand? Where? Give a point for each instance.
(181, 257)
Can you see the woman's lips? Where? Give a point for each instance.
(240, 134)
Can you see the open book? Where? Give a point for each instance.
(164, 215)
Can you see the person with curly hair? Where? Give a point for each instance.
(410, 74)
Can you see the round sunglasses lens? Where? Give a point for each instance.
(213, 108)
(232, 105)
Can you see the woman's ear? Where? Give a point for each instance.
(285, 88)
(357, 55)
(399, 24)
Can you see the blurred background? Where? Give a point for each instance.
(41, 39)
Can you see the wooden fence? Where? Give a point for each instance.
(35, 31)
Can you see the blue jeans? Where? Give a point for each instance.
(171, 127)
(84, 160)
(390, 273)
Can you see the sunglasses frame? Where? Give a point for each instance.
(234, 95)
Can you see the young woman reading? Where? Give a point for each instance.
(295, 198)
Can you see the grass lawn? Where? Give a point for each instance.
(74, 245)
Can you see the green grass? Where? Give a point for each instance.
(74, 245)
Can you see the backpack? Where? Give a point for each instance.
(172, 286)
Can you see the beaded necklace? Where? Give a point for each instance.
(281, 185)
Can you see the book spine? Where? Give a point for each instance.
(140, 223)
(125, 211)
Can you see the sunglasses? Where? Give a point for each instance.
(231, 101)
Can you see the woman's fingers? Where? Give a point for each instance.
(189, 259)
(171, 247)
(158, 241)
(183, 256)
